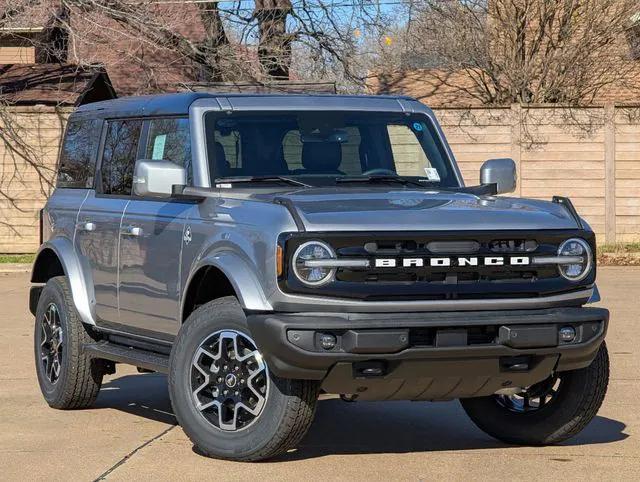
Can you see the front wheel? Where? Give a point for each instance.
(548, 412)
(224, 396)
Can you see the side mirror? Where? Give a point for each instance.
(157, 178)
(501, 172)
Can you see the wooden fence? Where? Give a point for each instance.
(591, 155)
(29, 142)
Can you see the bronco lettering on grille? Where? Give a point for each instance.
(452, 261)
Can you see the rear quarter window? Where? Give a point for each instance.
(78, 154)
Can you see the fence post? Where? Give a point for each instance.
(610, 172)
(516, 127)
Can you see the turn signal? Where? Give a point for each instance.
(279, 261)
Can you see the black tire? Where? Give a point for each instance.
(579, 397)
(80, 377)
(288, 409)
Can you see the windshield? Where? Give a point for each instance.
(326, 147)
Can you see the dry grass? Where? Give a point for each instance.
(619, 254)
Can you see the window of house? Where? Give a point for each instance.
(119, 156)
(169, 140)
(78, 154)
(633, 37)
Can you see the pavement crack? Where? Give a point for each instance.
(128, 456)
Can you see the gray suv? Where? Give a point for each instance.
(264, 249)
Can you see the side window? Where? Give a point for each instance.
(169, 140)
(119, 157)
(408, 154)
(78, 154)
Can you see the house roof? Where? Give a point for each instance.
(53, 84)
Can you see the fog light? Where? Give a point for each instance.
(567, 333)
(327, 341)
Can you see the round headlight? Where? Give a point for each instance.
(306, 272)
(576, 248)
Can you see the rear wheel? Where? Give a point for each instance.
(223, 395)
(68, 378)
(548, 412)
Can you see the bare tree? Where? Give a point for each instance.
(529, 51)
(205, 40)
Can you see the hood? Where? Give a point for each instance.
(354, 209)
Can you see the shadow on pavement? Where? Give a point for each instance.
(144, 395)
(402, 427)
(353, 428)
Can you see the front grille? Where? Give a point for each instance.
(427, 282)
(449, 277)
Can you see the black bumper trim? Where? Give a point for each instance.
(289, 361)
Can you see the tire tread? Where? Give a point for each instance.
(84, 375)
(301, 395)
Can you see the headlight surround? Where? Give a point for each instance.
(576, 247)
(313, 276)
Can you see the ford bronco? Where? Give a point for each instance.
(263, 249)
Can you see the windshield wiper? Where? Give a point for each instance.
(240, 179)
(384, 178)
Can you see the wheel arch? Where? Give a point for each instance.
(223, 274)
(57, 257)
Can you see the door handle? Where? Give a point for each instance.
(87, 226)
(132, 231)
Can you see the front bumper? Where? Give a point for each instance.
(428, 356)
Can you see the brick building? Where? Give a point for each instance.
(440, 87)
(46, 33)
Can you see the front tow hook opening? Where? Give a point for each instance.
(516, 363)
(370, 369)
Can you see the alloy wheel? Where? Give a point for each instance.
(51, 345)
(229, 380)
(534, 398)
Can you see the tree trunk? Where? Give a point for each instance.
(215, 41)
(274, 48)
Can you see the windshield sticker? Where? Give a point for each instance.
(432, 173)
(158, 147)
(417, 126)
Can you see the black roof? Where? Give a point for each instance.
(179, 103)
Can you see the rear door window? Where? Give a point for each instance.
(119, 156)
(78, 154)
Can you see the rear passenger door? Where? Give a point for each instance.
(151, 238)
(98, 228)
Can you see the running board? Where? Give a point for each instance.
(132, 356)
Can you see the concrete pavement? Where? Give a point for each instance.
(131, 433)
